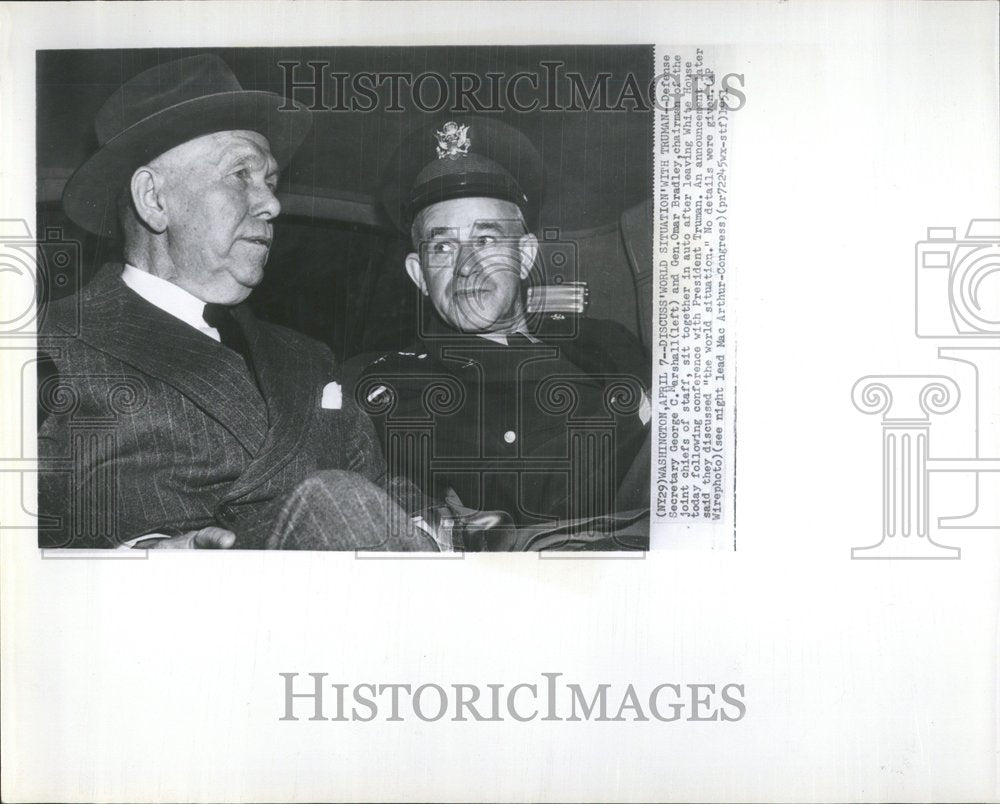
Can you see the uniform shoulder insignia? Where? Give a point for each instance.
(390, 357)
(396, 361)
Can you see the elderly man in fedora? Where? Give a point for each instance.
(172, 417)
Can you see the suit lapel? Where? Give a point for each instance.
(291, 384)
(122, 324)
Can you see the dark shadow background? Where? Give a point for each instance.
(336, 268)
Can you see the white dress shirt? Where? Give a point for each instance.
(170, 298)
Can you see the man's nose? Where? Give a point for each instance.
(264, 203)
(466, 263)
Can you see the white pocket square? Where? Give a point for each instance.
(333, 397)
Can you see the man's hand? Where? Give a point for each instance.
(210, 538)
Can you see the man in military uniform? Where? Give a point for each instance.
(538, 417)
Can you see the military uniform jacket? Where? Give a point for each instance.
(147, 425)
(542, 430)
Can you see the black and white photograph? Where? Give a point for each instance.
(499, 401)
(388, 298)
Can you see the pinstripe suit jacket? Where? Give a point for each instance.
(149, 426)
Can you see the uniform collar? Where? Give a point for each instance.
(500, 338)
(438, 330)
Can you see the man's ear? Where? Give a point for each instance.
(528, 247)
(147, 197)
(415, 272)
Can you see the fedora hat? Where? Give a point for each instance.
(166, 106)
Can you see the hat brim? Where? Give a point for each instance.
(90, 194)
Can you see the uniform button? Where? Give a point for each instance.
(510, 436)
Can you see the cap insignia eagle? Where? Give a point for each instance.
(453, 141)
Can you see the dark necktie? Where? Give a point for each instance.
(221, 318)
